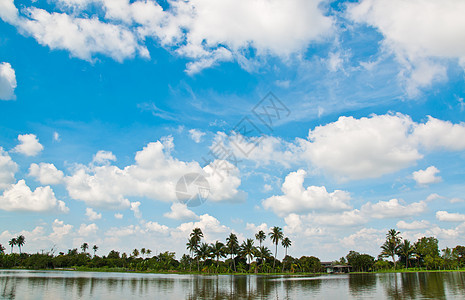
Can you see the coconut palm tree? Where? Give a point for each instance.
(196, 235)
(142, 251)
(204, 251)
(286, 242)
(276, 235)
(390, 248)
(233, 245)
(218, 250)
(95, 248)
(148, 252)
(248, 249)
(2, 249)
(135, 252)
(406, 250)
(191, 245)
(20, 241)
(260, 237)
(84, 247)
(12, 243)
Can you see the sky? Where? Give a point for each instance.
(334, 120)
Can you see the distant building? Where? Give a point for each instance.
(332, 268)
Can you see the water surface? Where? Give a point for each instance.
(23, 284)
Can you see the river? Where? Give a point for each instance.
(25, 284)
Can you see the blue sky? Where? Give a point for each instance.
(105, 105)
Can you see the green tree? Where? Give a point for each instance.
(196, 236)
(260, 237)
(459, 253)
(390, 248)
(142, 251)
(12, 243)
(20, 241)
(192, 246)
(148, 252)
(95, 248)
(204, 252)
(2, 249)
(406, 250)
(233, 245)
(248, 249)
(84, 247)
(427, 246)
(135, 253)
(286, 242)
(276, 235)
(218, 250)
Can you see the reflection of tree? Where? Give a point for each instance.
(361, 284)
(414, 285)
(9, 288)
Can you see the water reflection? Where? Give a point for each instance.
(77, 285)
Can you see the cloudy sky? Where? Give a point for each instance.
(335, 120)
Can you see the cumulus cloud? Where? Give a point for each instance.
(211, 228)
(7, 80)
(449, 217)
(60, 230)
(436, 32)
(92, 214)
(118, 216)
(87, 230)
(29, 145)
(415, 225)
(204, 31)
(296, 198)
(154, 175)
(103, 157)
(179, 211)
(46, 173)
(428, 176)
(8, 168)
(393, 209)
(196, 135)
(19, 197)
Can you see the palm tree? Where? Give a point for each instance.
(232, 244)
(12, 243)
(135, 252)
(191, 245)
(196, 236)
(248, 249)
(286, 242)
(391, 246)
(95, 248)
(148, 252)
(142, 251)
(84, 247)
(20, 241)
(260, 237)
(204, 251)
(406, 249)
(2, 249)
(276, 235)
(218, 250)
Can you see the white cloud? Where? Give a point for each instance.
(134, 206)
(456, 200)
(7, 80)
(29, 145)
(103, 157)
(8, 169)
(179, 211)
(46, 173)
(256, 228)
(204, 31)
(19, 197)
(428, 176)
(60, 230)
(56, 136)
(123, 231)
(118, 216)
(362, 148)
(87, 230)
(211, 228)
(92, 215)
(450, 217)
(393, 209)
(296, 198)
(196, 135)
(436, 134)
(437, 31)
(154, 175)
(155, 227)
(433, 197)
(415, 225)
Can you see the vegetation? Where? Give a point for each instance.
(232, 257)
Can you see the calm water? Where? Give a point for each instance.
(89, 285)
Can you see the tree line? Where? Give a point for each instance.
(246, 257)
